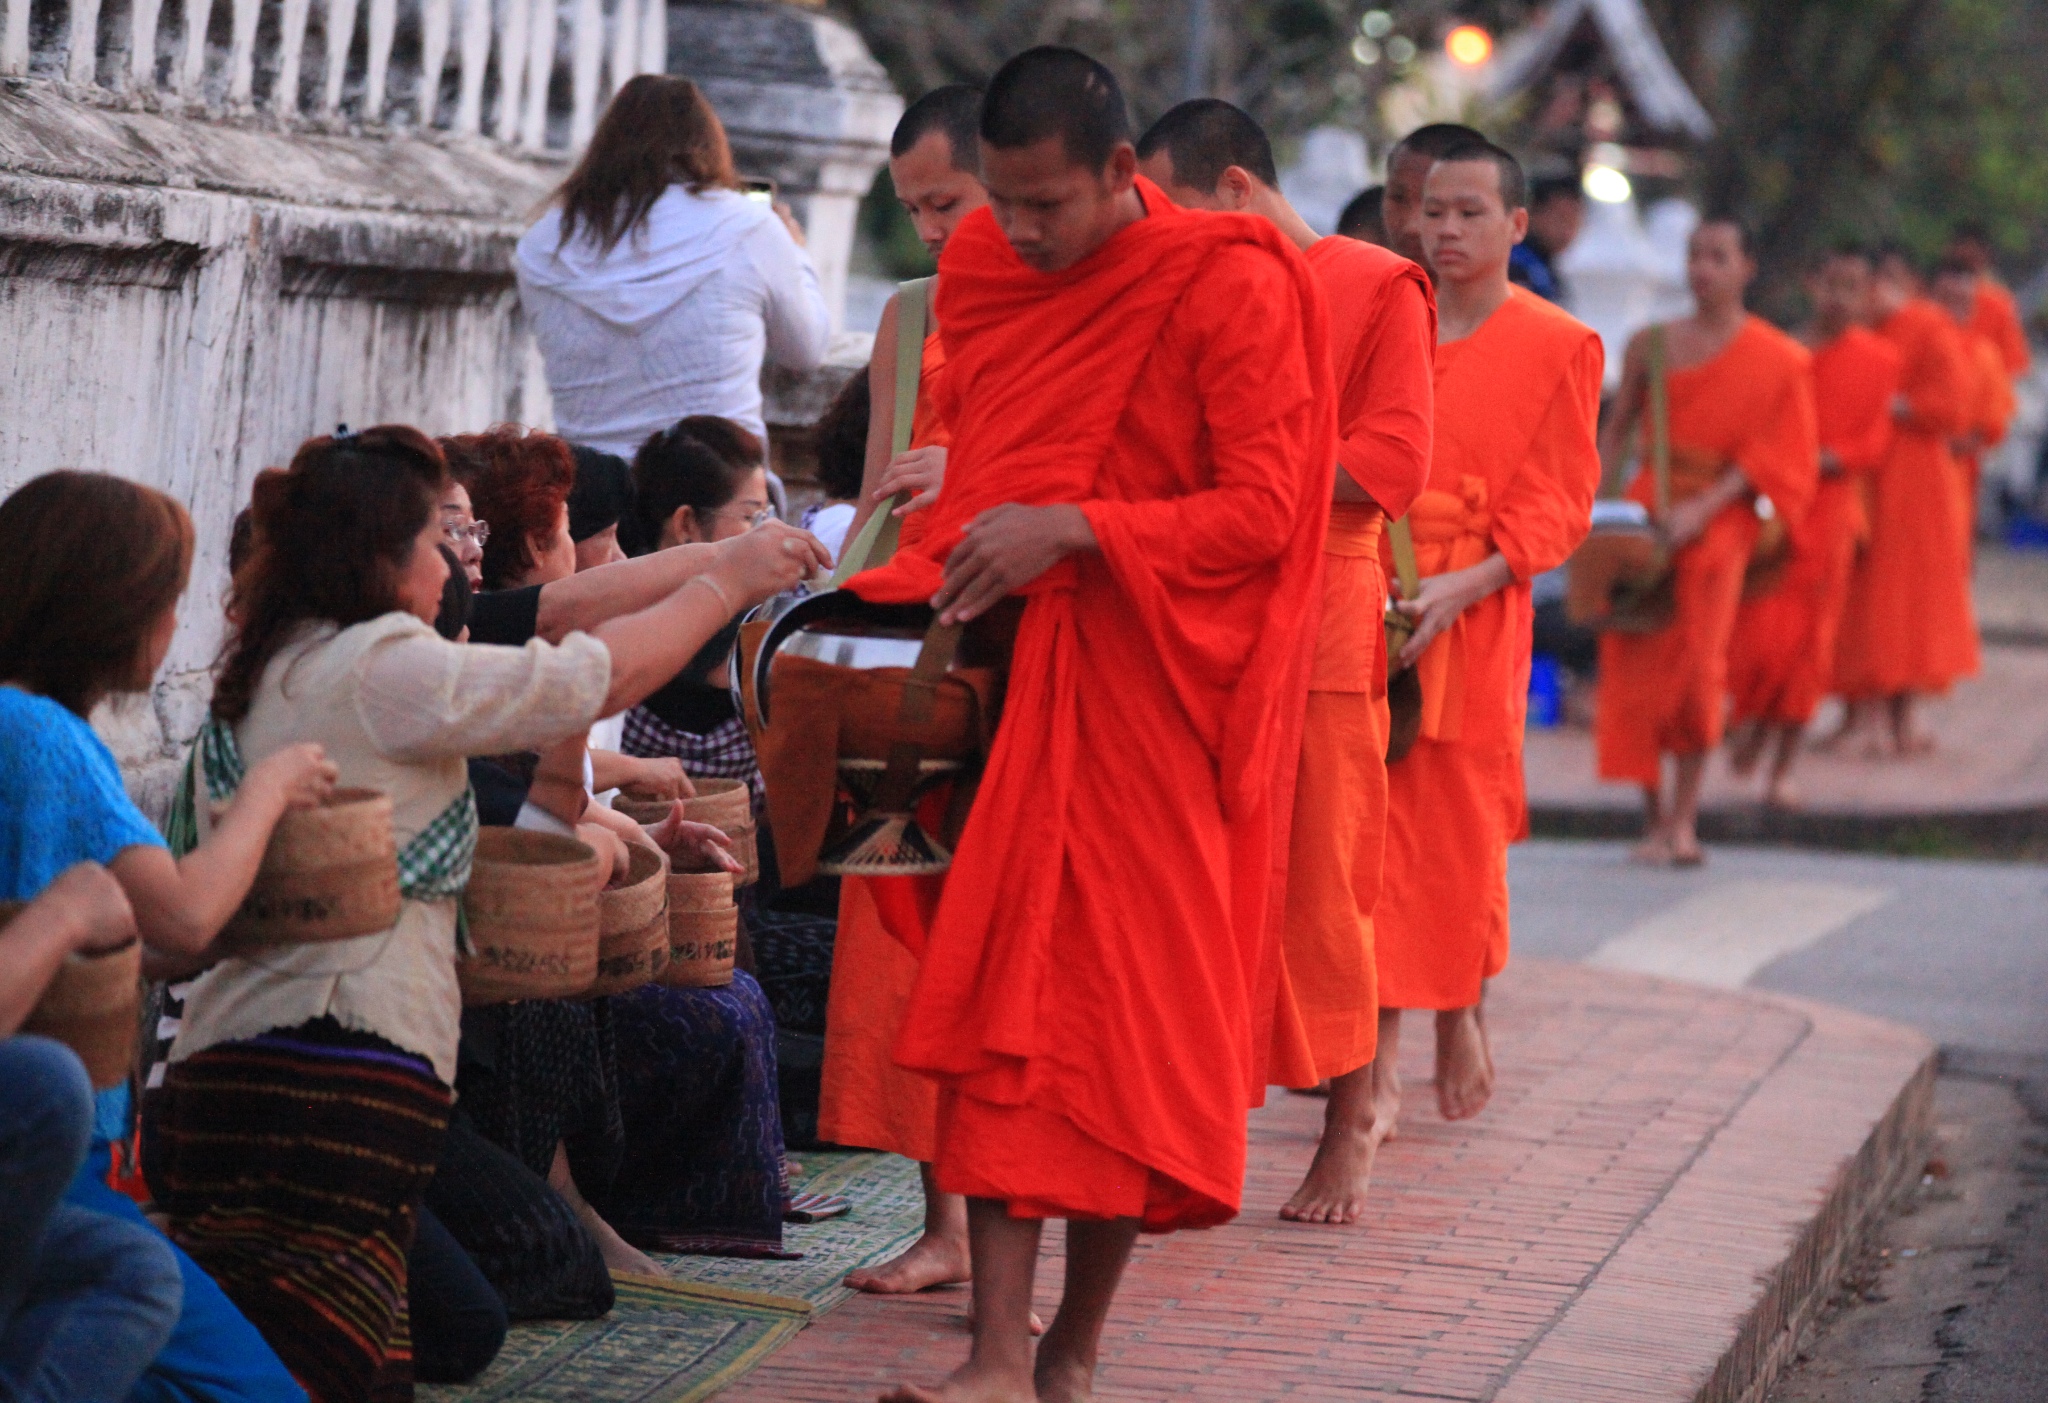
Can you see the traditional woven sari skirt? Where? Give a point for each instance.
(290, 1166)
(702, 1166)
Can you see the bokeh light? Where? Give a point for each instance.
(1469, 44)
(1606, 184)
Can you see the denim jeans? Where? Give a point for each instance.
(86, 1300)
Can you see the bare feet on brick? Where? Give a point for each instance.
(1062, 1380)
(935, 1259)
(1334, 1191)
(1464, 1072)
(970, 1384)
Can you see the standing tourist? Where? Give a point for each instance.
(1782, 660)
(1909, 629)
(1207, 154)
(1150, 468)
(1741, 429)
(656, 288)
(1514, 467)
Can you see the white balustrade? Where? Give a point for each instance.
(527, 44)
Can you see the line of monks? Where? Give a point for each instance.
(1157, 406)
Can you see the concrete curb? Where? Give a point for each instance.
(1755, 1232)
(1994, 831)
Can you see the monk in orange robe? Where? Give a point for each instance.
(1207, 154)
(1741, 430)
(1149, 468)
(1994, 314)
(1782, 660)
(1909, 627)
(1956, 288)
(1512, 477)
(866, 1099)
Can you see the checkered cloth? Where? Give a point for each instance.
(724, 752)
(433, 866)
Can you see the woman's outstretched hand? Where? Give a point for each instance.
(767, 560)
(680, 837)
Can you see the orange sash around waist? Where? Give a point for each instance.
(1452, 532)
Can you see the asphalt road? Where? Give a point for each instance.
(1946, 1303)
(1956, 949)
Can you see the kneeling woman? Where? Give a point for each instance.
(309, 1087)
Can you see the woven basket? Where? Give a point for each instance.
(701, 945)
(632, 942)
(329, 873)
(533, 913)
(693, 886)
(91, 1007)
(645, 811)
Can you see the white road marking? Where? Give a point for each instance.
(1724, 935)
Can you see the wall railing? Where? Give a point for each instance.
(530, 73)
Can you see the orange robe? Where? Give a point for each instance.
(1383, 325)
(1751, 405)
(1088, 991)
(1909, 625)
(1782, 660)
(865, 1099)
(1514, 470)
(1991, 410)
(1997, 317)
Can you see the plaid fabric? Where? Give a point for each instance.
(726, 752)
(433, 866)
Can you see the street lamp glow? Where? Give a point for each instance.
(1469, 45)
(1606, 184)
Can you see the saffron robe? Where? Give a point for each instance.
(1782, 660)
(1997, 317)
(1909, 625)
(1751, 405)
(1991, 410)
(1514, 469)
(865, 1099)
(1383, 329)
(1087, 995)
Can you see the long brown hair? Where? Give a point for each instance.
(332, 533)
(658, 131)
(88, 565)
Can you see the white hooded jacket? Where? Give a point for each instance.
(675, 320)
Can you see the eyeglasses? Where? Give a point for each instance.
(476, 532)
(752, 519)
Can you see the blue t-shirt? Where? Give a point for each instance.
(61, 802)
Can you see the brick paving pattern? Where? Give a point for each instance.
(1607, 1229)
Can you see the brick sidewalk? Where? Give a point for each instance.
(1656, 1195)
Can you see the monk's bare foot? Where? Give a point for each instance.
(1746, 748)
(1784, 795)
(933, 1260)
(967, 1386)
(1685, 847)
(1386, 1099)
(1062, 1380)
(1464, 1077)
(1321, 1088)
(1653, 851)
(1037, 1326)
(1334, 1191)
(1915, 742)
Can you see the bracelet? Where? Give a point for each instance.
(717, 589)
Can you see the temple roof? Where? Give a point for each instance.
(1651, 80)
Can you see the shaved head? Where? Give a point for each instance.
(1206, 137)
(1514, 185)
(1407, 166)
(953, 111)
(1052, 93)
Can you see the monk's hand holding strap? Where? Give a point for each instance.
(1004, 549)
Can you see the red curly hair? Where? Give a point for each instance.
(518, 481)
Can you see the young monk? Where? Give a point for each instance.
(1207, 154)
(1956, 288)
(1742, 429)
(1782, 660)
(1993, 312)
(1150, 469)
(1511, 483)
(1909, 628)
(1408, 165)
(867, 1099)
